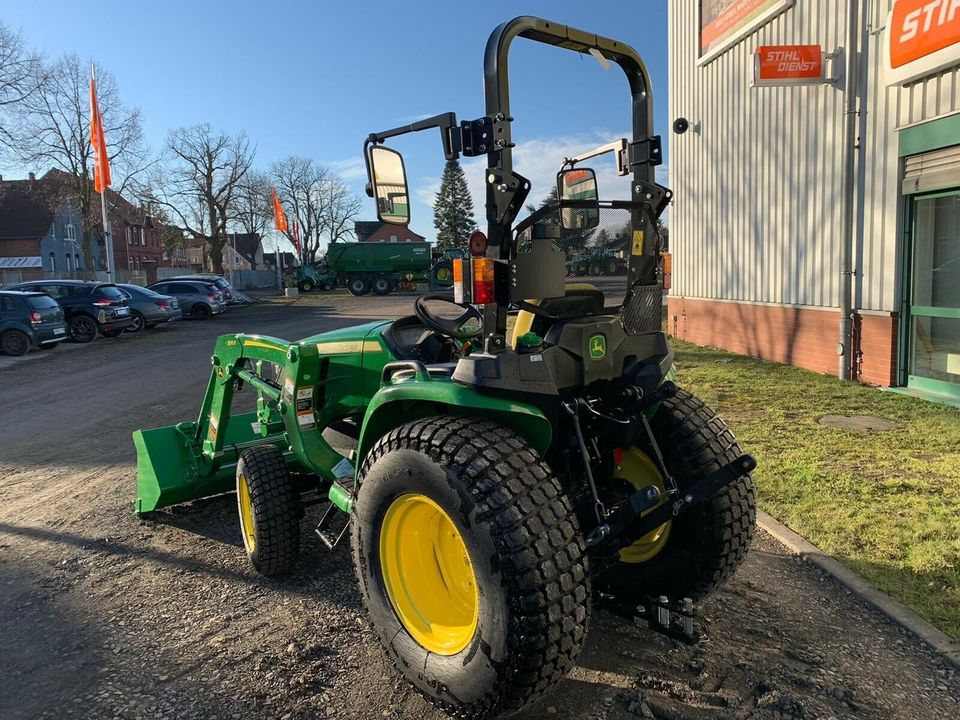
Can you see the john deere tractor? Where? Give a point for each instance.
(520, 455)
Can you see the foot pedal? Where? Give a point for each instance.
(327, 530)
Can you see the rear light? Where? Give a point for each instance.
(35, 318)
(483, 281)
(103, 303)
(214, 297)
(458, 295)
(161, 304)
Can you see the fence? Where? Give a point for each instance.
(11, 276)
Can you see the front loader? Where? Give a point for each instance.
(521, 454)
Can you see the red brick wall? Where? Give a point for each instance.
(803, 337)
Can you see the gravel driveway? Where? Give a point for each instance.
(103, 615)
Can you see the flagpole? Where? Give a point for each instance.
(107, 232)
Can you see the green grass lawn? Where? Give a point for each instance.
(886, 504)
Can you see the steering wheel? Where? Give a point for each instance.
(448, 328)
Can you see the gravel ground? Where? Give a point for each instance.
(103, 615)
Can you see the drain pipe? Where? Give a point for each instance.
(844, 349)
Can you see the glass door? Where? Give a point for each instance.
(933, 323)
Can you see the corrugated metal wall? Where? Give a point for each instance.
(757, 213)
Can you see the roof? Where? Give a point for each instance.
(27, 208)
(365, 228)
(246, 244)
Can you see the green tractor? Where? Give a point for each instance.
(501, 485)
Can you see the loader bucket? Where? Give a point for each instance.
(171, 468)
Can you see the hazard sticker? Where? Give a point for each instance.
(212, 428)
(288, 389)
(306, 421)
(638, 242)
(305, 398)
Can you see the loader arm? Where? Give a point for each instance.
(307, 391)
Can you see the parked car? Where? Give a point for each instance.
(90, 307)
(229, 294)
(198, 298)
(29, 319)
(149, 308)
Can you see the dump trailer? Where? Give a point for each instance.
(362, 267)
(501, 483)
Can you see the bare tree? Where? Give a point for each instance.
(253, 208)
(199, 182)
(342, 208)
(319, 200)
(299, 181)
(53, 131)
(21, 75)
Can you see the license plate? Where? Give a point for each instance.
(123, 311)
(59, 331)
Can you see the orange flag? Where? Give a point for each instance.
(101, 161)
(279, 216)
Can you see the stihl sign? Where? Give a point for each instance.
(788, 65)
(790, 62)
(923, 37)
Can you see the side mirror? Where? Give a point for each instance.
(388, 180)
(578, 185)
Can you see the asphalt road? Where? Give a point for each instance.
(103, 615)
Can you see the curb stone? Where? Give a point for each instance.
(900, 614)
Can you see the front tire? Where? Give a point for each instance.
(702, 548)
(471, 564)
(269, 509)
(138, 323)
(305, 286)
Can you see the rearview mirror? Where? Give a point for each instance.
(389, 184)
(578, 185)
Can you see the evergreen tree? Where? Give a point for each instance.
(453, 209)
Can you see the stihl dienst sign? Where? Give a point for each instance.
(922, 38)
(788, 65)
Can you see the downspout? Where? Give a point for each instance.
(849, 187)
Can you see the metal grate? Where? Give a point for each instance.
(643, 310)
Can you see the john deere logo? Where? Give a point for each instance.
(598, 347)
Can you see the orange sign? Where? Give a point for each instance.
(724, 22)
(777, 63)
(923, 37)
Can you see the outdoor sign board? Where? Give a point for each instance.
(789, 65)
(923, 38)
(725, 22)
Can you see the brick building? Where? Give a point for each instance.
(376, 231)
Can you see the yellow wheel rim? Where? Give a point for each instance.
(246, 514)
(443, 273)
(428, 574)
(638, 470)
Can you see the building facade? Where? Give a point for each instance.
(785, 214)
(376, 231)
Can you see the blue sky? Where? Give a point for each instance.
(314, 78)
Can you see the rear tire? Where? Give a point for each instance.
(201, 311)
(83, 328)
(523, 547)
(594, 270)
(382, 286)
(15, 343)
(269, 509)
(358, 286)
(706, 545)
(612, 267)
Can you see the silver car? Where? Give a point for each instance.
(150, 308)
(199, 299)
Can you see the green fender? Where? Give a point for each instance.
(401, 402)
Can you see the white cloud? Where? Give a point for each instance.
(350, 169)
